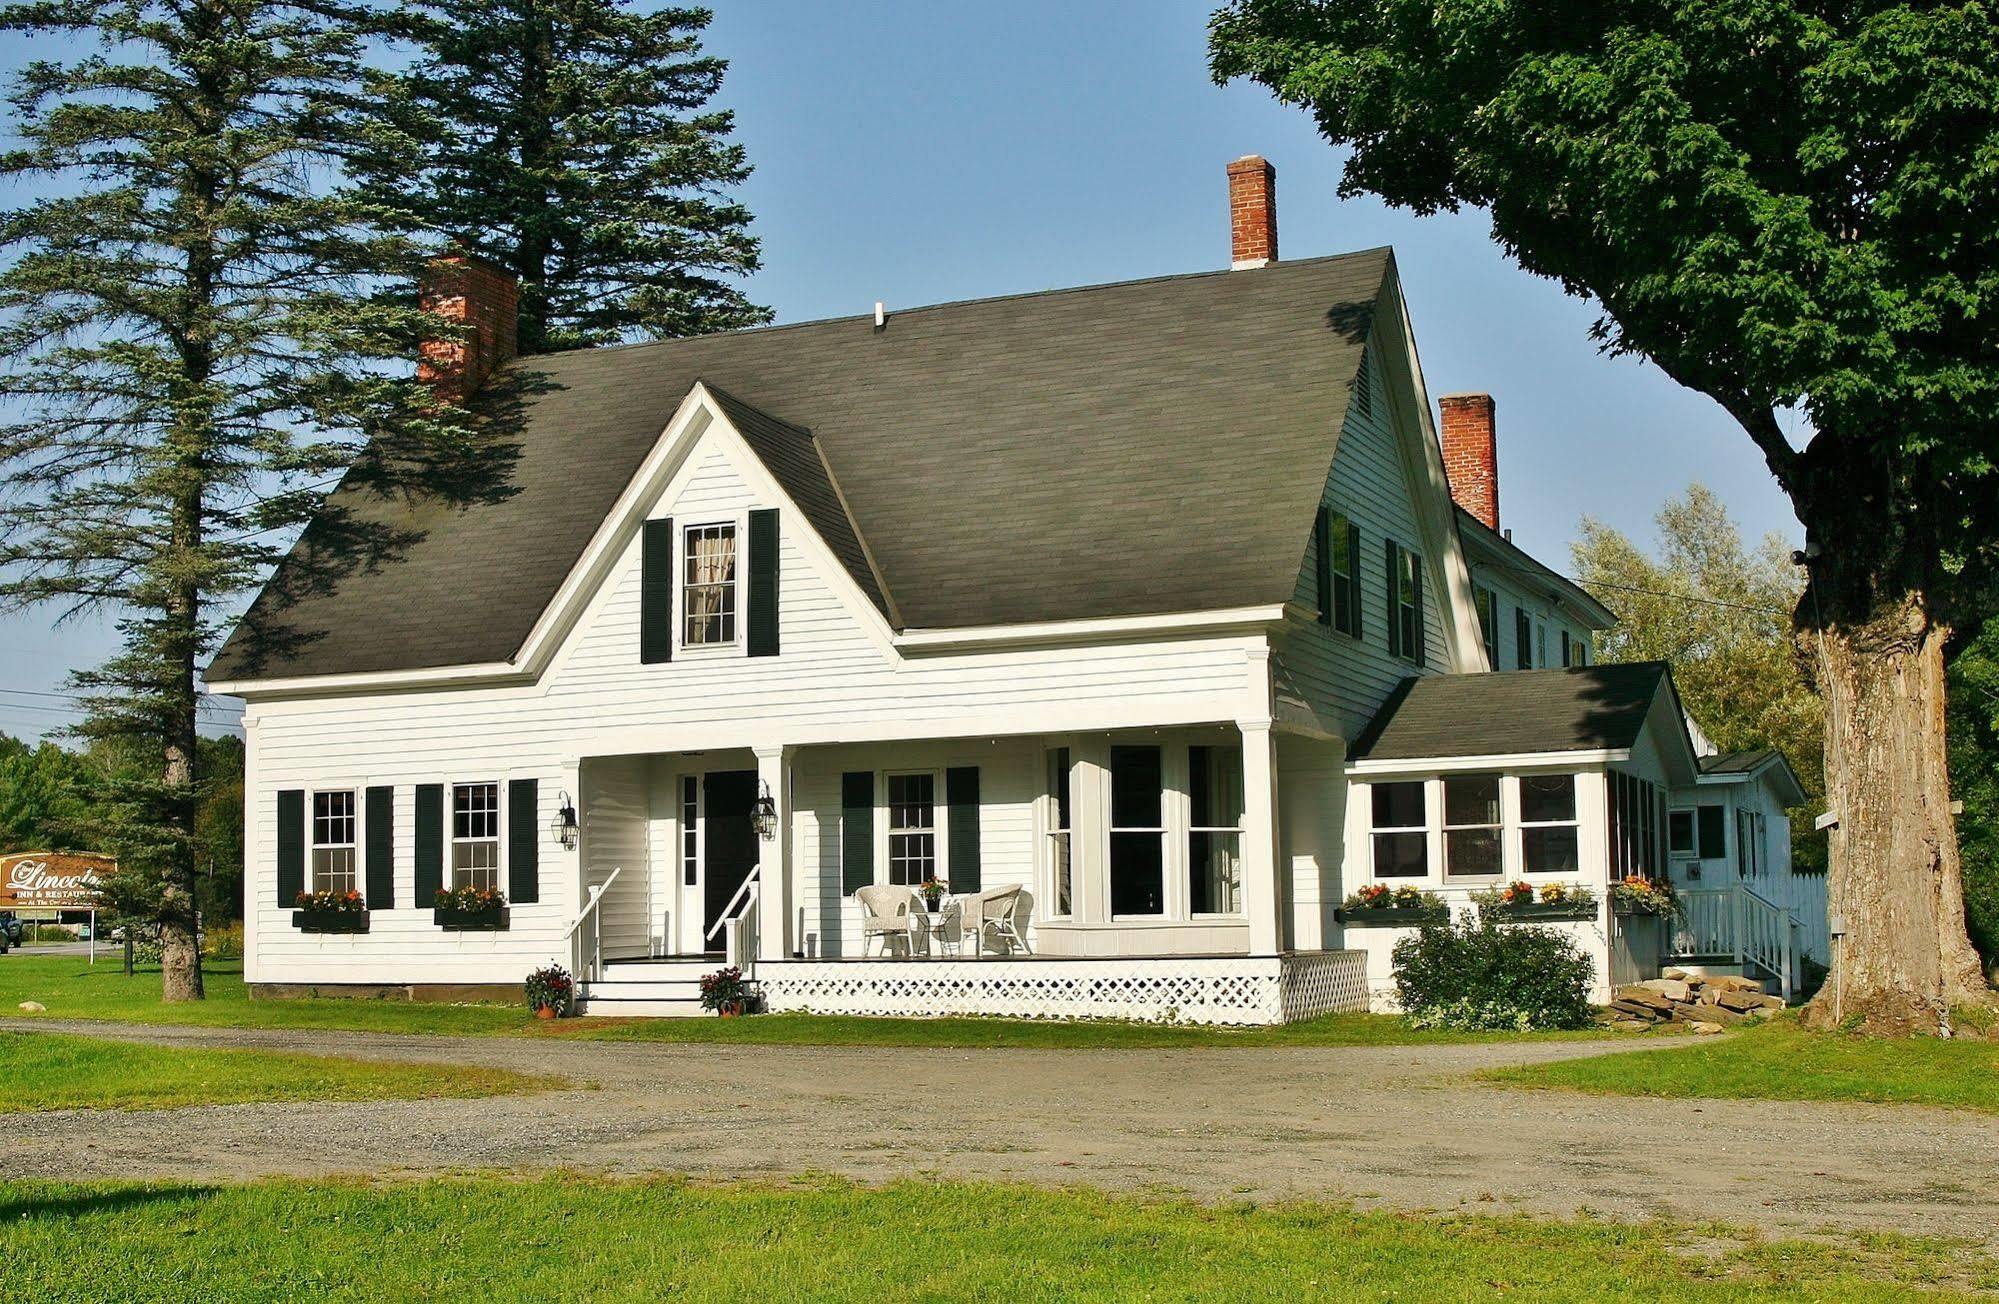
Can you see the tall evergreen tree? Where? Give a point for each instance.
(187, 343)
(569, 140)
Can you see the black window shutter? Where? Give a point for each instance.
(1421, 648)
(961, 790)
(1523, 638)
(857, 830)
(1354, 603)
(523, 843)
(1322, 544)
(427, 841)
(656, 592)
(1394, 571)
(763, 582)
(291, 845)
(381, 818)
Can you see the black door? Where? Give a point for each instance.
(732, 843)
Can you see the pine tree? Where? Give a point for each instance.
(570, 141)
(188, 343)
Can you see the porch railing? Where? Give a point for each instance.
(1741, 923)
(738, 923)
(585, 937)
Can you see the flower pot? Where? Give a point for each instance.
(491, 920)
(546, 1012)
(330, 921)
(729, 1009)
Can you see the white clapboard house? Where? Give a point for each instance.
(1149, 600)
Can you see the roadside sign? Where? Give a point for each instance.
(55, 880)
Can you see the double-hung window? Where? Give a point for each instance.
(1523, 639)
(475, 835)
(1680, 832)
(1405, 603)
(1471, 825)
(1342, 543)
(1138, 832)
(912, 828)
(1061, 871)
(1214, 834)
(333, 841)
(1401, 834)
(708, 585)
(1548, 824)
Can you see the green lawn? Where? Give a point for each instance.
(71, 989)
(576, 1238)
(1781, 1061)
(45, 1070)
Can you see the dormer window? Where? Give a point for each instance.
(708, 585)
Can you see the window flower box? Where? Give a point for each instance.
(1380, 906)
(470, 910)
(330, 912)
(1521, 901)
(1638, 895)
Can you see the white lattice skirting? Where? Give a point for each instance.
(1219, 990)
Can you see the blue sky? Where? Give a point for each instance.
(922, 152)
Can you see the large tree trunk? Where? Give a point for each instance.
(1905, 960)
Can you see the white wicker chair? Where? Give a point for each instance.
(885, 913)
(1000, 916)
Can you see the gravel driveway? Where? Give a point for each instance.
(1397, 1126)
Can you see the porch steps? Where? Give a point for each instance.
(649, 988)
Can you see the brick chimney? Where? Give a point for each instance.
(1471, 454)
(1252, 212)
(484, 298)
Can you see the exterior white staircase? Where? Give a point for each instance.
(654, 988)
(1739, 924)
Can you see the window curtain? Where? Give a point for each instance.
(711, 563)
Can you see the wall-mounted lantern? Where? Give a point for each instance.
(563, 827)
(764, 816)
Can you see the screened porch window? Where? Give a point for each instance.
(1548, 824)
(1471, 826)
(1401, 830)
(1214, 835)
(475, 835)
(333, 841)
(1061, 871)
(708, 589)
(912, 828)
(1138, 833)
(1637, 825)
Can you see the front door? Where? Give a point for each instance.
(731, 847)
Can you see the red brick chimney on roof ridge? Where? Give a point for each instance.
(1252, 212)
(484, 299)
(1471, 454)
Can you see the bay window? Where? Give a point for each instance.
(1138, 832)
(1214, 835)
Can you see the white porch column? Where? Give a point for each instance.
(1262, 901)
(776, 900)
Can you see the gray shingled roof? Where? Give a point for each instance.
(1140, 448)
(1735, 762)
(1576, 709)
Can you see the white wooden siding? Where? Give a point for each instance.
(833, 682)
(1514, 594)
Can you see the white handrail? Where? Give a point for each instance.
(597, 891)
(729, 911)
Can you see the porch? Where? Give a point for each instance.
(1141, 869)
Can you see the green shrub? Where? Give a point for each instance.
(1479, 974)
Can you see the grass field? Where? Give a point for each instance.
(42, 1070)
(1781, 1061)
(577, 1238)
(71, 989)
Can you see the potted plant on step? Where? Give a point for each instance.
(330, 912)
(1379, 906)
(726, 992)
(551, 992)
(469, 910)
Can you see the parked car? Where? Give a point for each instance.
(11, 929)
